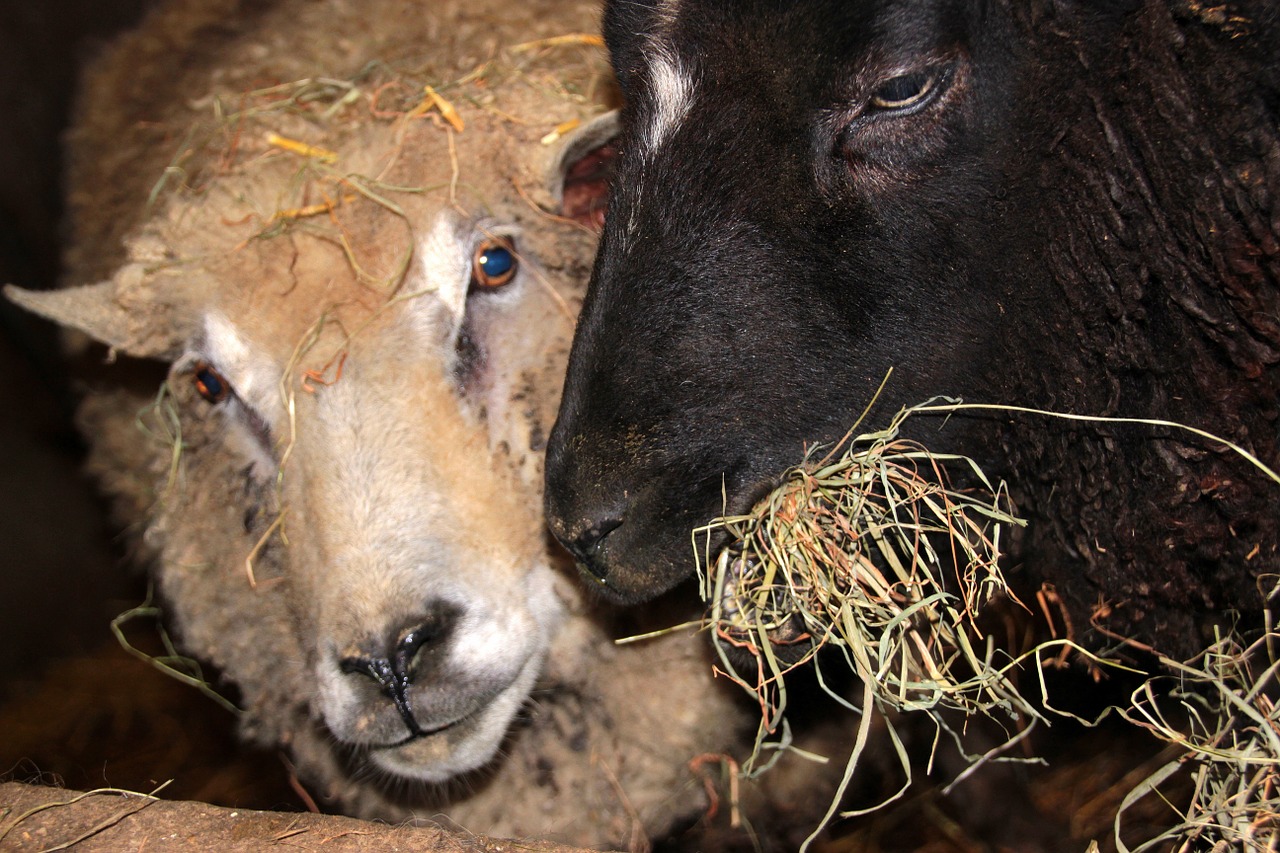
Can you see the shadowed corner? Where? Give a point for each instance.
(73, 706)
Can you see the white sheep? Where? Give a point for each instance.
(366, 302)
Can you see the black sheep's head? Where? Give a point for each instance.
(786, 226)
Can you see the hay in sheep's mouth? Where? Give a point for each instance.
(874, 552)
(872, 549)
(884, 553)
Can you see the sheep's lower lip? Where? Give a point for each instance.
(438, 754)
(422, 734)
(458, 743)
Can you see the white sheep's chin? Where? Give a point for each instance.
(465, 745)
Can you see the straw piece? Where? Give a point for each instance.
(560, 130)
(573, 39)
(434, 99)
(302, 149)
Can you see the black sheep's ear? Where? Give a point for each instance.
(584, 170)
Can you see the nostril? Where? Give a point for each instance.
(379, 669)
(428, 634)
(411, 657)
(394, 684)
(587, 544)
(413, 642)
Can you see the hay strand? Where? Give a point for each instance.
(171, 663)
(450, 114)
(570, 40)
(1220, 708)
(302, 149)
(147, 799)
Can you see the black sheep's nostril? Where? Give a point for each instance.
(585, 548)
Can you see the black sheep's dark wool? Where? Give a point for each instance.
(1068, 205)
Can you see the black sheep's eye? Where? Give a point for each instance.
(493, 265)
(210, 384)
(906, 92)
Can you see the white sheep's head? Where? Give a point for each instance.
(363, 373)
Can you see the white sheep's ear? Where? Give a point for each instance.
(580, 173)
(98, 311)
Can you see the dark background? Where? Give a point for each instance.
(75, 708)
(57, 566)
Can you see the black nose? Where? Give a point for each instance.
(586, 548)
(416, 652)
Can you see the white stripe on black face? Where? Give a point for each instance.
(671, 88)
(672, 91)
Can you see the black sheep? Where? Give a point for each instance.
(1069, 205)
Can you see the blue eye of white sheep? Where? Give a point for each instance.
(494, 264)
(210, 384)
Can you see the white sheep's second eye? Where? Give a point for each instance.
(494, 264)
(908, 91)
(210, 384)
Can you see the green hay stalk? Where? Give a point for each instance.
(160, 422)
(171, 663)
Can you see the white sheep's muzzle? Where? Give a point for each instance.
(461, 746)
(428, 703)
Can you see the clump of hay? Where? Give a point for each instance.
(871, 550)
(1220, 707)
